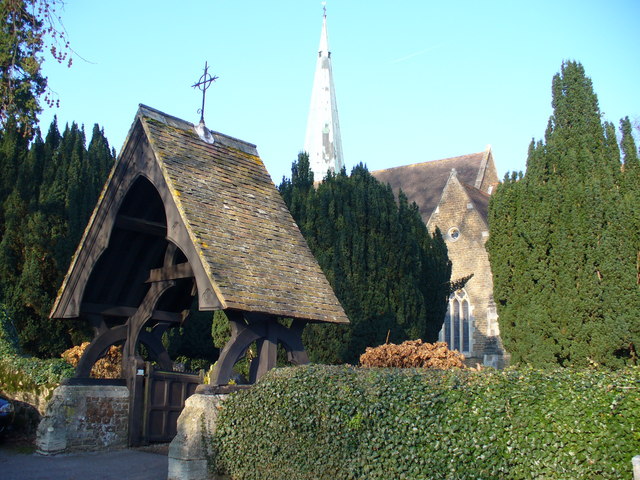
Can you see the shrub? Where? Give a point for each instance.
(109, 366)
(412, 354)
(9, 341)
(193, 365)
(21, 373)
(319, 422)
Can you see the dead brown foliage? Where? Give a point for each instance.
(413, 354)
(108, 366)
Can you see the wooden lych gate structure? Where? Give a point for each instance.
(189, 214)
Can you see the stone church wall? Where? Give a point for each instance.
(466, 233)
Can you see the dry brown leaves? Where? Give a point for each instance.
(108, 366)
(413, 354)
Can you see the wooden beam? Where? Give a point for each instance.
(121, 311)
(140, 225)
(97, 349)
(170, 272)
(267, 352)
(242, 336)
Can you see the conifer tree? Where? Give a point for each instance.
(27, 29)
(563, 273)
(630, 205)
(48, 194)
(389, 273)
(630, 153)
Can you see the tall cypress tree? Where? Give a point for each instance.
(563, 276)
(389, 273)
(48, 194)
(630, 208)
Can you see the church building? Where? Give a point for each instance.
(452, 195)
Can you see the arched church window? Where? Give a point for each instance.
(458, 325)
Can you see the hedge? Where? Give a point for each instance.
(20, 373)
(322, 422)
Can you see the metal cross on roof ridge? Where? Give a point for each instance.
(203, 83)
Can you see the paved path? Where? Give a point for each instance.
(116, 465)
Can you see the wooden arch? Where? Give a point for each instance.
(141, 285)
(267, 333)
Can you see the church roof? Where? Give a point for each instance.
(250, 253)
(479, 198)
(423, 183)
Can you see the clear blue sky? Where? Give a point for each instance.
(415, 80)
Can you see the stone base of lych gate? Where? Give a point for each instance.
(191, 453)
(84, 418)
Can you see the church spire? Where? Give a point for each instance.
(322, 140)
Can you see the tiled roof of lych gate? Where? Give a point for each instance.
(250, 246)
(423, 182)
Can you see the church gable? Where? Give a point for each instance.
(480, 201)
(424, 182)
(469, 324)
(487, 178)
(457, 212)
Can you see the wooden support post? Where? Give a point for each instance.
(268, 333)
(291, 338)
(242, 336)
(267, 351)
(135, 382)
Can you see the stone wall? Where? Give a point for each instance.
(191, 457)
(84, 418)
(468, 256)
(38, 401)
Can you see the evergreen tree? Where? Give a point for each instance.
(563, 273)
(193, 340)
(389, 273)
(630, 205)
(49, 189)
(24, 26)
(630, 153)
(13, 151)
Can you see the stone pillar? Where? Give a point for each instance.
(191, 455)
(635, 461)
(84, 418)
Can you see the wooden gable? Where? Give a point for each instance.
(217, 204)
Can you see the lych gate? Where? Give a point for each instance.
(189, 216)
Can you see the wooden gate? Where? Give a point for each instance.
(164, 397)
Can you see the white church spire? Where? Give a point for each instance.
(322, 140)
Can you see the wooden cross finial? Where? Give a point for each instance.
(203, 83)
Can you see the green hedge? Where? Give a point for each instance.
(20, 373)
(319, 422)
